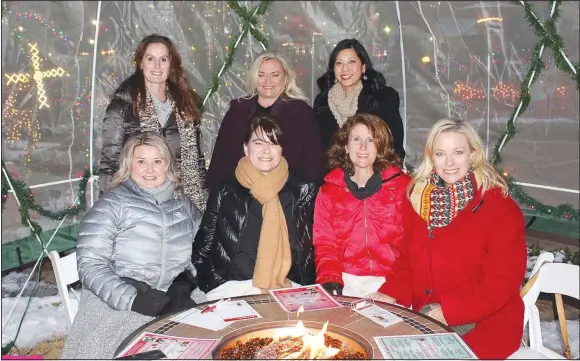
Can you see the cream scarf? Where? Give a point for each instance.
(342, 105)
(274, 257)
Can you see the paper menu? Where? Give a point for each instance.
(377, 314)
(425, 347)
(312, 298)
(219, 318)
(236, 310)
(172, 346)
(209, 320)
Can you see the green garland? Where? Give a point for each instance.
(549, 39)
(249, 21)
(4, 9)
(27, 202)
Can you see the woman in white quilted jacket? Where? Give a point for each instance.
(133, 251)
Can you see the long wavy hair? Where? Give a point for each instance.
(383, 139)
(152, 139)
(375, 80)
(291, 89)
(483, 169)
(187, 101)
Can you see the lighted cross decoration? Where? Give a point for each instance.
(37, 74)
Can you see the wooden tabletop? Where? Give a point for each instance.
(413, 323)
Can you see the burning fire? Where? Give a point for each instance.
(312, 345)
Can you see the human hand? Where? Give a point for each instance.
(437, 313)
(150, 303)
(334, 288)
(381, 297)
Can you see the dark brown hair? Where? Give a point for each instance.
(270, 125)
(383, 139)
(186, 99)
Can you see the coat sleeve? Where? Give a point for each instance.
(205, 245)
(399, 285)
(95, 244)
(503, 268)
(389, 102)
(221, 165)
(326, 249)
(313, 159)
(113, 137)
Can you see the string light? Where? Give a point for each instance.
(465, 92)
(37, 75)
(38, 17)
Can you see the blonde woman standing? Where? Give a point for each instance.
(464, 254)
(270, 89)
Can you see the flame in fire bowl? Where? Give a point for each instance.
(279, 331)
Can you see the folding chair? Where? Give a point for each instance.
(559, 279)
(66, 273)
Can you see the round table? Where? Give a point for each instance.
(414, 323)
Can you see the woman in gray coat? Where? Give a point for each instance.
(133, 251)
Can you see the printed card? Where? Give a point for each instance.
(424, 347)
(312, 298)
(377, 314)
(173, 347)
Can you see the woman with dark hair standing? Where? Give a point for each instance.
(157, 97)
(351, 86)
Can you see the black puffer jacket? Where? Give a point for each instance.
(224, 220)
(119, 125)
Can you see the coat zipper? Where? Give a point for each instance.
(366, 237)
(164, 245)
(298, 248)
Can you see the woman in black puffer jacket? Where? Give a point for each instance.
(157, 97)
(239, 240)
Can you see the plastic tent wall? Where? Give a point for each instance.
(445, 58)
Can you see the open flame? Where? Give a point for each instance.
(300, 310)
(312, 345)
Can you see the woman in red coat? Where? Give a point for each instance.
(464, 255)
(357, 218)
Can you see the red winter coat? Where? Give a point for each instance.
(355, 236)
(473, 267)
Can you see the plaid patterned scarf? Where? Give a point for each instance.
(438, 204)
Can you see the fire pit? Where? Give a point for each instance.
(292, 340)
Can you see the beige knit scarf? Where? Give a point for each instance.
(274, 257)
(343, 105)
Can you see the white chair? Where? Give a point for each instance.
(548, 277)
(66, 273)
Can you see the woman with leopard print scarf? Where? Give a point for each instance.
(157, 97)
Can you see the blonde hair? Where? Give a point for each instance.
(482, 168)
(151, 139)
(291, 90)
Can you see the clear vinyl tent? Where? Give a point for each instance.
(445, 58)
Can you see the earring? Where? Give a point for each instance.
(364, 76)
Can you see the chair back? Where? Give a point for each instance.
(555, 278)
(66, 273)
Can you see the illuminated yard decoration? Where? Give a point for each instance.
(37, 75)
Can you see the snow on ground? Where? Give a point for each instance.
(45, 318)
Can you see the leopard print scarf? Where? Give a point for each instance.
(191, 166)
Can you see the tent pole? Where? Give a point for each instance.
(91, 120)
(404, 81)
